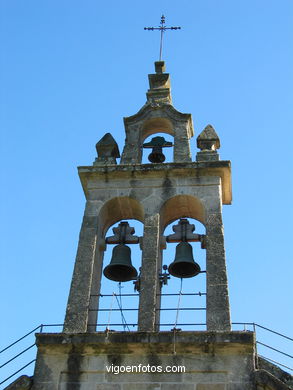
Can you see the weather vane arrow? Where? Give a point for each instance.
(162, 28)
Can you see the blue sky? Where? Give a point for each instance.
(70, 72)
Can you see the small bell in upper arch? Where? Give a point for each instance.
(157, 144)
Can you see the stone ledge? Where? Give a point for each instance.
(220, 169)
(156, 167)
(150, 342)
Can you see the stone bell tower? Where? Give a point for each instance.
(157, 194)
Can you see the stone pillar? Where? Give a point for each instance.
(96, 288)
(218, 308)
(132, 153)
(159, 290)
(77, 314)
(149, 283)
(181, 144)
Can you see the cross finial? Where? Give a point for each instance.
(162, 28)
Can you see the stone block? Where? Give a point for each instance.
(45, 386)
(207, 156)
(211, 386)
(108, 386)
(71, 386)
(142, 386)
(89, 222)
(177, 386)
(92, 208)
(205, 377)
(241, 386)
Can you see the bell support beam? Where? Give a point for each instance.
(218, 308)
(149, 279)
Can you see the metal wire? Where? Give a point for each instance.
(124, 323)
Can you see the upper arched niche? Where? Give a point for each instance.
(152, 119)
(120, 208)
(157, 125)
(181, 206)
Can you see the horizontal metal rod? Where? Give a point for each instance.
(169, 295)
(45, 325)
(183, 308)
(243, 323)
(274, 349)
(16, 356)
(120, 324)
(16, 372)
(137, 295)
(175, 308)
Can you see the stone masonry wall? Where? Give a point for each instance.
(212, 361)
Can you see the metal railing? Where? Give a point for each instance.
(247, 326)
(24, 351)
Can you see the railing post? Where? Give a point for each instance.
(255, 346)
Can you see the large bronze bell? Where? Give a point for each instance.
(120, 268)
(184, 265)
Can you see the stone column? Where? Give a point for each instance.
(182, 144)
(218, 308)
(149, 283)
(158, 290)
(132, 153)
(96, 287)
(77, 314)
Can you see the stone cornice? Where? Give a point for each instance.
(220, 169)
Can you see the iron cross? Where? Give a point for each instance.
(162, 28)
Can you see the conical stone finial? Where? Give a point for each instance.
(107, 150)
(208, 142)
